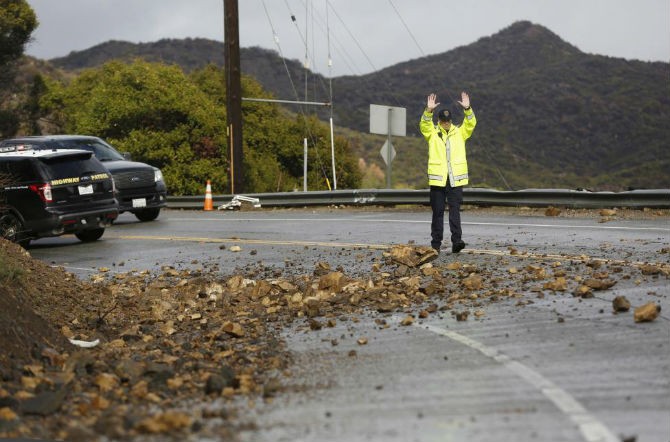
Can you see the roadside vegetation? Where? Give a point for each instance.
(177, 122)
(17, 22)
(171, 119)
(9, 269)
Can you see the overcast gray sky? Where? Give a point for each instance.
(364, 35)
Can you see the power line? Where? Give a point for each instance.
(374, 68)
(346, 58)
(295, 91)
(365, 78)
(407, 28)
(304, 41)
(281, 54)
(330, 60)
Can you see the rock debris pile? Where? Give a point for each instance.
(183, 352)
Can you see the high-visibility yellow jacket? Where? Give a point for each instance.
(446, 150)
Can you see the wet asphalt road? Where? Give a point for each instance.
(557, 369)
(297, 237)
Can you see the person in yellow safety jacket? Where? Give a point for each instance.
(447, 167)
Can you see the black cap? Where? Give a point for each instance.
(444, 115)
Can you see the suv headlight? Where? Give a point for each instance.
(158, 175)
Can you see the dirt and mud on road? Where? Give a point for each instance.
(183, 354)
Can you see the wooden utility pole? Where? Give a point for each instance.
(233, 94)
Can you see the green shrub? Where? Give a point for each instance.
(9, 270)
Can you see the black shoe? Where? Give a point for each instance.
(457, 247)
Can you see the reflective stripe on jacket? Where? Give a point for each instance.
(451, 145)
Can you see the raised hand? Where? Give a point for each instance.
(431, 102)
(465, 100)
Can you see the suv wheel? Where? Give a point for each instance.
(90, 235)
(147, 214)
(11, 229)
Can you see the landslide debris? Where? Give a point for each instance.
(183, 352)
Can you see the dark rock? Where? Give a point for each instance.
(45, 403)
(214, 384)
(9, 402)
(112, 425)
(385, 307)
(271, 388)
(401, 271)
(81, 363)
(462, 316)
(621, 304)
(158, 374)
(129, 370)
(229, 377)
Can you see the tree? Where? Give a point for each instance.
(17, 22)
(152, 111)
(177, 122)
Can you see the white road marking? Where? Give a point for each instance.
(590, 427)
(427, 221)
(86, 269)
(567, 226)
(255, 241)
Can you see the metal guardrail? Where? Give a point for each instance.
(656, 198)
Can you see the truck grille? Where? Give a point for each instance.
(134, 178)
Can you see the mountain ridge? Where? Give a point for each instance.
(546, 110)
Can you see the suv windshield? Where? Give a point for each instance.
(102, 151)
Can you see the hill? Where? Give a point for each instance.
(548, 114)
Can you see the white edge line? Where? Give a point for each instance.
(404, 221)
(590, 427)
(86, 269)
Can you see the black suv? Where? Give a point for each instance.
(50, 193)
(140, 187)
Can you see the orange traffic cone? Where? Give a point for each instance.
(209, 204)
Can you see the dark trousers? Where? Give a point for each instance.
(453, 196)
